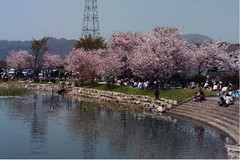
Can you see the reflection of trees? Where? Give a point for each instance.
(35, 110)
(38, 128)
(20, 109)
(133, 136)
(38, 121)
(87, 124)
(124, 133)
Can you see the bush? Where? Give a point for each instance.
(13, 91)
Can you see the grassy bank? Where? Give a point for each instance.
(173, 94)
(12, 91)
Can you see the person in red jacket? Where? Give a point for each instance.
(202, 96)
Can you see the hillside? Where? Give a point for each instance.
(63, 46)
(196, 38)
(57, 46)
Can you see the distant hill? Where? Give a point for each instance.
(63, 46)
(56, 46)
(196, 38)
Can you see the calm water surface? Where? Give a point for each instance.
(54, 126)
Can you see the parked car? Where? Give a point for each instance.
(41, 73)
(11, 71)
(27, 72)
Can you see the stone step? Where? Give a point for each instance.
(232, 120)
(217, 110)
(231, 109)
(215, 104)
(210, 101)
(229, 129)
(209, 120)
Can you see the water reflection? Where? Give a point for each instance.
(199, 130)
(56, 126)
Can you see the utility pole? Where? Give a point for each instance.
(90, 20)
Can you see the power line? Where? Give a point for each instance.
(211, 6)
(223, 4)
(224, 7)
(214, 6)
(231, 2)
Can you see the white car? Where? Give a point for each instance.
(27, 72)
(11, 71)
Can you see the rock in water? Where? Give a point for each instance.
(61, 91)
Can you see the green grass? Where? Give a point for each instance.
(12, 91)
(173, 94)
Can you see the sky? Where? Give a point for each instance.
(28, 19)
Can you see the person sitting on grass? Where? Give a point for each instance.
(196, 97)
(202, 96)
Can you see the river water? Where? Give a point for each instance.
(54, 126)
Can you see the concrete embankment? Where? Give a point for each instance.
(225, 119)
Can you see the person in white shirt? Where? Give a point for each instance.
(228, 99)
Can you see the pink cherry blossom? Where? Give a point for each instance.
(87, 64)
(160, 54)
(20, 60)
(52, 61)
(121, 46)
(209, 55)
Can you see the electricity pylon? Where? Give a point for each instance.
(90, 20)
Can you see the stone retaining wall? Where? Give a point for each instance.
(148, 103)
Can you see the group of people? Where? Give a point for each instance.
(134, 84)
(4, 77)
(226, 99)
(199, 96)
(214, 84)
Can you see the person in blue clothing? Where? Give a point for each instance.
(196, 97)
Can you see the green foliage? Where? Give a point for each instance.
(39, 48)
(226, 78)
(12, 91)
(199, 78)
(89, 43)
(3, 64)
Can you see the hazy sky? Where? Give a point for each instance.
(27, 19)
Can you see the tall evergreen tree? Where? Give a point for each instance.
(88, 43)
(39, 48)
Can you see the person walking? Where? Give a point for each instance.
(156, 94)
(157, 91)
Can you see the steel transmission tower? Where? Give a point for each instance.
(90, 20)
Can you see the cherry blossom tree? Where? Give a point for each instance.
(233, 61)
(52, 61)
(110, 66)
(20, 60)
(121, 46)
(86, 64)
(209, 55)
(160, 55)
